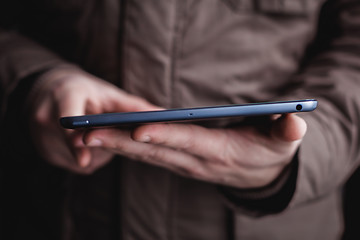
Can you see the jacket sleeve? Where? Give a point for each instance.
(20, 58)
(330, 151)
(22, 61)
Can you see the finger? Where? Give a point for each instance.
(191, 138)
(73, 105)
(83, 156)
(77, 138)
(120, 142)
(125, 102)
(289, 128)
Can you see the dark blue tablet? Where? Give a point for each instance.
(187, 114)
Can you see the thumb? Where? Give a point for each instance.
(288, 128)
(74, 105)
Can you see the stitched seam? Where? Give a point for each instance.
(170, 221)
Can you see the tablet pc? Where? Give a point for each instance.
(187, 114)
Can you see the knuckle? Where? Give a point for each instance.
(93, 107)
(42, 116)
(60, 88)
(190, 140)
(88, 137)
(227, 153)
(189, 144)
(117, 144)
(155, 154)
(224, 158)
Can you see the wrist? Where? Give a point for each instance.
(272, 198)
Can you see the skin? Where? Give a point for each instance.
(244, 157)
(71, 92)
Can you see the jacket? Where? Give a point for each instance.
(185, 53)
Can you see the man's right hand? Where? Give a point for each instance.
(71, 92)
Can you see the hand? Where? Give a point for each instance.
(240, 157)
(71, 92)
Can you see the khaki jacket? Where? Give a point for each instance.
(186, 53)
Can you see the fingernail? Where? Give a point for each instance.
(94, 143)
(145, 139)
